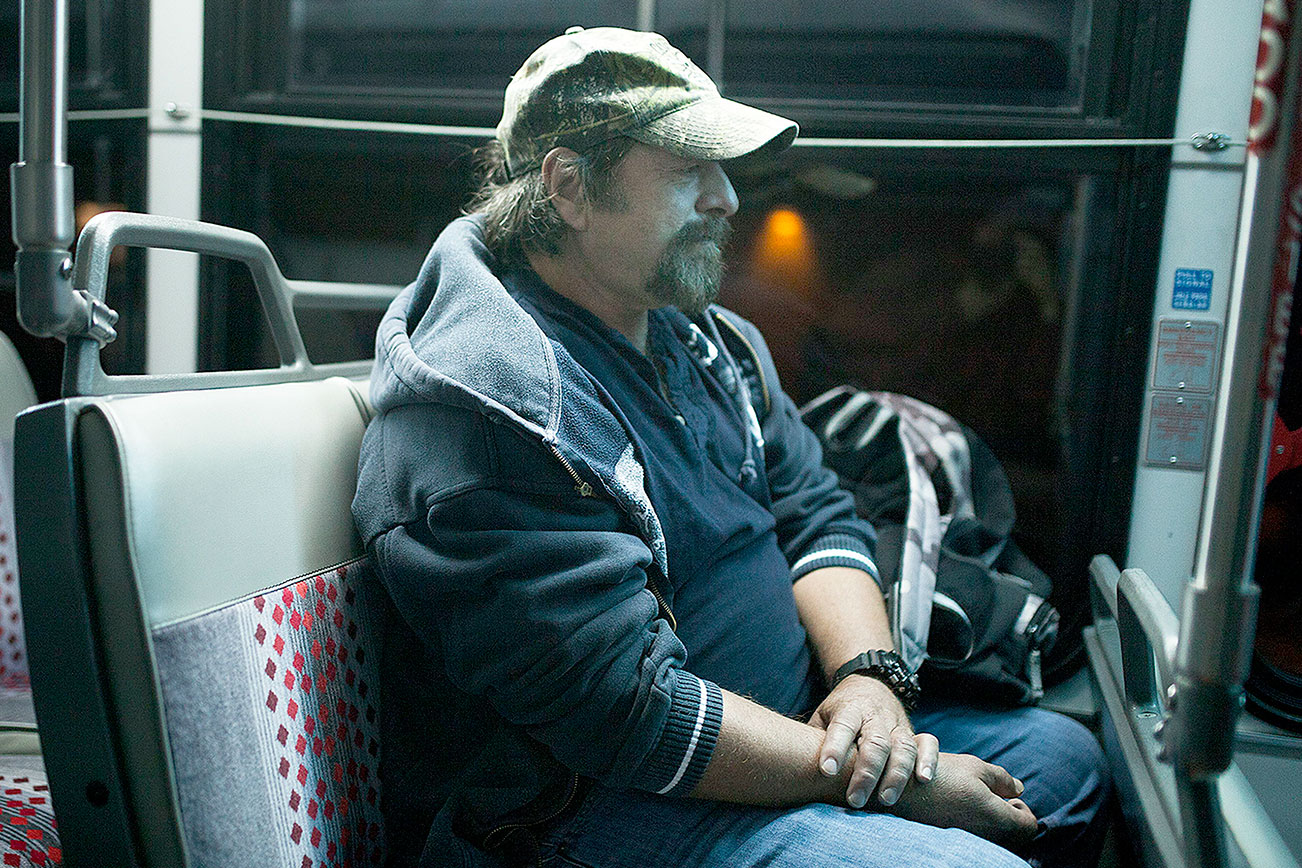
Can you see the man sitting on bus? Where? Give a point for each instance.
(634, 620)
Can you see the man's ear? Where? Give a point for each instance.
(561, 180)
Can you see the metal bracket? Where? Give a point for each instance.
(1210, 141)
(100, 319)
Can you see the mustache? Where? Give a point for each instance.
(709, 228)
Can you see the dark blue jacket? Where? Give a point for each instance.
(503, 502)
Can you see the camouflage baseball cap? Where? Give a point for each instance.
(589, 86)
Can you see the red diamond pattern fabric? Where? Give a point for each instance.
(28, 833)
(271, 704)
(13, 651)
(322, 718)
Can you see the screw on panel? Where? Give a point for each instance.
(1210, 141)
(97, 793)
(1180, 385)
(1175, 460)
(65, 269)
(176, 112)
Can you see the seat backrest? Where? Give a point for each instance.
(16, 395)
(202, 652)
(241, 697)
(16, 390)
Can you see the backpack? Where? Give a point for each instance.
(969, 610)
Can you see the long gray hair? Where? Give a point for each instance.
(518, 213)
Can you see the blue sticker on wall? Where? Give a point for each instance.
(1193, 289)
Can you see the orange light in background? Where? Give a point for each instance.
(786, 226)
(784, 252)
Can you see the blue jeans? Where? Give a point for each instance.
(1058, 760)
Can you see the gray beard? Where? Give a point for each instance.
(690, 270)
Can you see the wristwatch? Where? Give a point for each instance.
(888, 668)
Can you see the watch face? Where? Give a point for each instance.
(888, 668)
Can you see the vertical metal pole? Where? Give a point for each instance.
(44, 81)
(41, 180)
(646, 14)
(714, 40)
(1216, 629)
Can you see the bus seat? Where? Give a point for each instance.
(27, 827)
(16, 390)
(16, 395)
(26, 819)
(17, 717)
(239, 671)
(200, 589)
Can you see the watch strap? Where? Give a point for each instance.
(886, 667)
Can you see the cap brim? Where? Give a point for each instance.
(717, 129)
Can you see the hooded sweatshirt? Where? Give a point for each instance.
(530, 644)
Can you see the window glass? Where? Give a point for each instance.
(418, 44)
(932, 52)
(100, 66)
(351, 208)
(957, 287)
(686, 24)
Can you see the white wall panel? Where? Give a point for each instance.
(175, 95)
(1202, 209)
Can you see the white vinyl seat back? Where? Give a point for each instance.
(226, 491)
(228, 578)
(16, 390)
(16, 395)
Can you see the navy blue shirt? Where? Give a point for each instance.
(729, 582)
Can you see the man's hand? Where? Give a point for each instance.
(973, 795)
(863, 712)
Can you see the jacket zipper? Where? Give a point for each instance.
(1042, 629)
(565, 806)
(664, 606)
(585, 490)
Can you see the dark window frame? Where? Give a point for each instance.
(248, 37)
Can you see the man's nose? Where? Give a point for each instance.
(717, 195)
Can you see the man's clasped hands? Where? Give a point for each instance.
(869, 742)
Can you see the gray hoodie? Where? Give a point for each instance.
(503, 504)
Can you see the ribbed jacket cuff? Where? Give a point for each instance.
(836, 550)
(687, 741)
